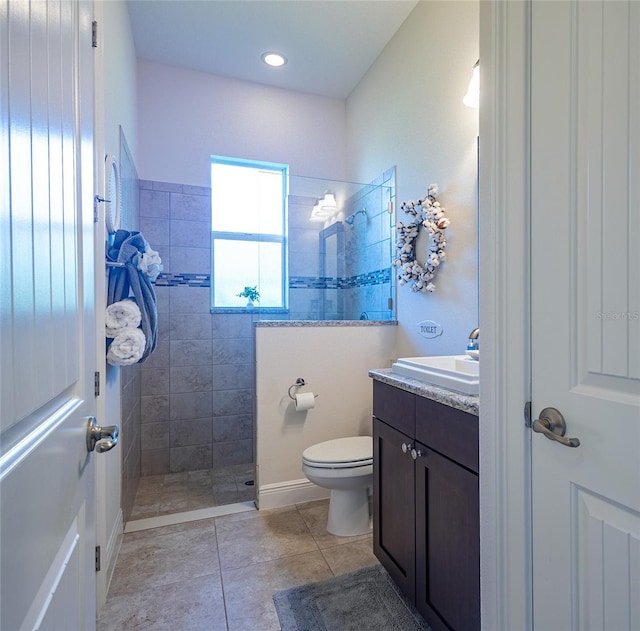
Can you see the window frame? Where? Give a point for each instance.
(256, 237)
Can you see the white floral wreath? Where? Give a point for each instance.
(430, 214)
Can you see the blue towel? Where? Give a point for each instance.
(126, 249)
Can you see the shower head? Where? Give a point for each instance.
(351, 218)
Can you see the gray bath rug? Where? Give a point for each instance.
(365, 599)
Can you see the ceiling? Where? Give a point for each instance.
(329, 44)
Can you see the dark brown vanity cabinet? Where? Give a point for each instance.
(426, 505)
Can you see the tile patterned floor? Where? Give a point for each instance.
(191, 490)
(220, 574)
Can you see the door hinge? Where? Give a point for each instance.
(96, 384)
(390, 304)
(94, 34)
(97, 558)
(527, 414)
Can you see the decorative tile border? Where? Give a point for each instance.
(378, 277)
(183, 280)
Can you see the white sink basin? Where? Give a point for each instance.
(454, 372)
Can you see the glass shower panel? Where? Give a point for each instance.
(340, 255)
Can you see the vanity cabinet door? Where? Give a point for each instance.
(447, 543)
(394, 505)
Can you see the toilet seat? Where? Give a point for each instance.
(340, 453)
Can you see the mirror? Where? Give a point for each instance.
(112, 194)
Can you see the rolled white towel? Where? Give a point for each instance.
(126, 348)
(124, 314)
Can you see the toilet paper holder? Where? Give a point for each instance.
(298, 384)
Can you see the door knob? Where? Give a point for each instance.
(552, 424)
(101, 439)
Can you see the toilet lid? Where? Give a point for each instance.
(354, 451)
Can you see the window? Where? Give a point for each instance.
(248, 224)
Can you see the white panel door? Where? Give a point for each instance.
(47, 348)
(585, 231)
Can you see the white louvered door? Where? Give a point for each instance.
(585, 236)
(47, 520)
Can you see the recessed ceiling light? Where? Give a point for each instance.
(274, 59)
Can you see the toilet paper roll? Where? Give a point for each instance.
(305, 401)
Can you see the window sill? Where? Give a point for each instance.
(251, 310)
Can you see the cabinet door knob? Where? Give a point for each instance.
(416, 454)
(406, 447)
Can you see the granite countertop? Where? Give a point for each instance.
(323, 323)
(465, 402)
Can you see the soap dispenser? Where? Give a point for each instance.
(473, 346)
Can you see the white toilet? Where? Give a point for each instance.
(344, 465)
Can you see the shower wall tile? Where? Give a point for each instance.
(231, 402)
(188, 189)
(231, 326)
(190, 260)
(190, 405)
(191, 207)
(233, 376)
(190, 327)
(154, 461)
(234, 452)
(191, 353)
(195, 234)
(155, 381)
(163, 327)
(305, 264)
(155, 435)
(191, 379)
(232, 351)
(154, 204)
(160, 356)
(162, 300)
(189, 300)
(191, 458)
(191, 432)
(229, 428)
(303, 240)
(155, 408)
(155, 230)
(167, 186)
(306, 301)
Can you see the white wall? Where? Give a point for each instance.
(120, 96)
(115, 106)
(186, 116)
(334, 361)
(408, 111)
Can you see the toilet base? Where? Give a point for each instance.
(349, 512)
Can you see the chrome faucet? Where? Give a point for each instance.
(473, 338)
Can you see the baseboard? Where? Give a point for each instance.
(110, 555)
(288, 493)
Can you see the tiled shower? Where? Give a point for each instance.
(197, 389)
